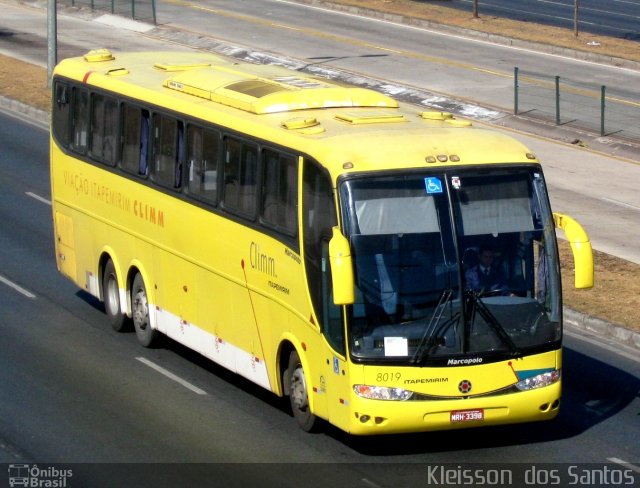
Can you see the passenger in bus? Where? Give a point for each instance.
(486, 275)
(143, 166)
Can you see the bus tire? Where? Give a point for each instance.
(140, 313)
(299, 394)
(111, 295)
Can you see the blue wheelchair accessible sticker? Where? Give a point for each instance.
(433, 185)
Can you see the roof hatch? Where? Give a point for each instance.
(375, 117)
(263, 95)
(180, 67)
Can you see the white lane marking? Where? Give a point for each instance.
(620, 204)
(172, 376)
(617, 349)
(287, 27)
(370, 483)
(39, 198)
(627, 465)
(17, 288)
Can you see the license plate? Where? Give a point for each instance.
(467, 415)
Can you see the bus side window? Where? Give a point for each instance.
(104, 126)
(202, 155)
(279, 191)
(168, 137)
(80, 123)
(61, 113)
(240, 176)
(135, 139)
(143, 159)
(177, 173)
(130, 136)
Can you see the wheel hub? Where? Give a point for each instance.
(299, 390)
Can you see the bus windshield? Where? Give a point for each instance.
(451, 267)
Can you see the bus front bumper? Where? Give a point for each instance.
(373, 417)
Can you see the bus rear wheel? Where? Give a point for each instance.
(140, 313)
(299, 394)
(111, 294)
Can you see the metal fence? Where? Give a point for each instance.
(596, 108)
(143, 10)
(603, 17)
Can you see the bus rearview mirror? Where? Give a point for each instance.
(341, 269)
(580, 247)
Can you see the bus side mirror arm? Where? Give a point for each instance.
(341, 269)
(580, 247)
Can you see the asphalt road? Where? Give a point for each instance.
(617, 18)
(74, 391)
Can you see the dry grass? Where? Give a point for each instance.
(615, 297)
(24, 82)
(616, 294)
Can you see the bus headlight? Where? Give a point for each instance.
(539, 380)
(382, 393)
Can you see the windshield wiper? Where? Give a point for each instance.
(432, 326)
(492, 321)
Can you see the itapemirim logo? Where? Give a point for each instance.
(34, 476)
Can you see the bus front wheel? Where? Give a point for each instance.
(299, 394)
(140, 313)
(111, 295)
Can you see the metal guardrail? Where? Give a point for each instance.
(606, 18)
(143, 10)
(596, 108)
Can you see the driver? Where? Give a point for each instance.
(485, 276)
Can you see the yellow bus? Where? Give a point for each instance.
(321, 240)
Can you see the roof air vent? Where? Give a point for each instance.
(98, 55)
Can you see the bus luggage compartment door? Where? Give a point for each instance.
(65, 245)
